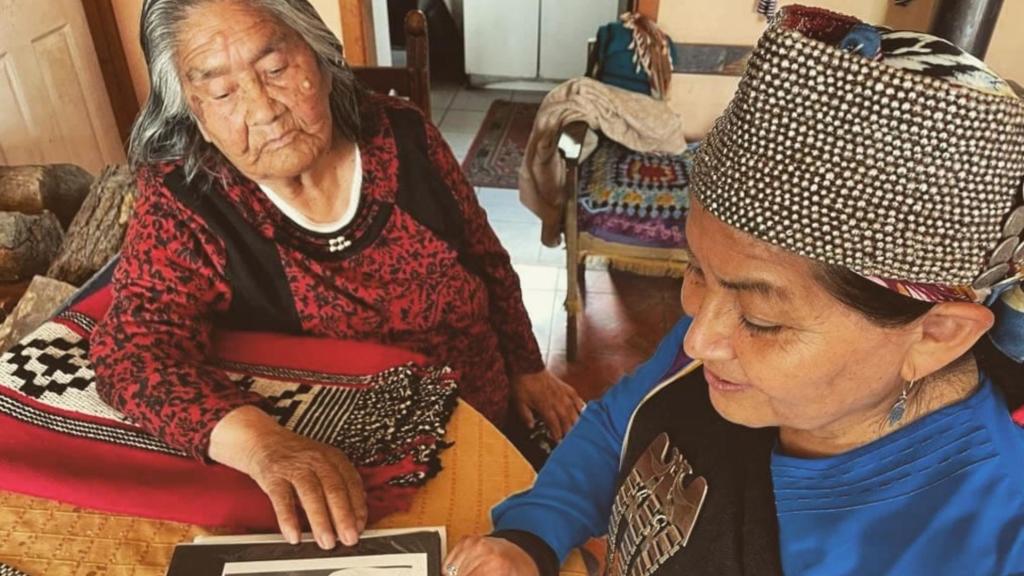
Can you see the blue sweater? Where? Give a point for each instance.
(944, 495)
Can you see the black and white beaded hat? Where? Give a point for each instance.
(893, 154)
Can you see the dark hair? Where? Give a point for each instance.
(882, 306)
(887, 308)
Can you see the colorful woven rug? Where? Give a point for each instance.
(633, 197)
(497, 151)
(387, 409)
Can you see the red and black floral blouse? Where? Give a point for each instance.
(398, 283)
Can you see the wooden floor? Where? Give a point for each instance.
(624, 319)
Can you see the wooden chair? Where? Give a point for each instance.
(412, 81)
(580, 243)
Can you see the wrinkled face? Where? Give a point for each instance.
(778, 350)
(255, 88)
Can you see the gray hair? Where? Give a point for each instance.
(167, 131)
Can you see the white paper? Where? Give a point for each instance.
(383, 565)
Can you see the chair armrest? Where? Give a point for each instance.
(570, 141)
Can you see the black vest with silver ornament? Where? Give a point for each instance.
(695, 491)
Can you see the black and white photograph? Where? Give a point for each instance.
(415, 552)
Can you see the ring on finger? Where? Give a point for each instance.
(451, 570)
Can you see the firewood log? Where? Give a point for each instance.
(97, 231)
(37, 305)
(59, 188)
(28, 243)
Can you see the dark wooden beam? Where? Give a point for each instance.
(967, 23)
(357, 32)
(106, 39)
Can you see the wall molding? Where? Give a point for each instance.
(714, 59)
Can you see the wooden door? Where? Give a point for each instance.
(53, 102)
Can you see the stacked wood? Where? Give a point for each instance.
(57, 188)
(9, 296)
(28, 243)
(37, 204)
(96, 233)
(42, 299)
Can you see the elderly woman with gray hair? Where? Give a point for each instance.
(276, 195)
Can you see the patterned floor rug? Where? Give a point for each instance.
(497, 151)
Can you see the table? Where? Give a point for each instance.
(48, 538)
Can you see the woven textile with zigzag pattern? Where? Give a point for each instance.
(385, 408)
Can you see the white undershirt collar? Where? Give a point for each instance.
(323, 227)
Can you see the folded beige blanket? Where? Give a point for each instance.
(634, 120)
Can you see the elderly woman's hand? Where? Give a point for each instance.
(485, 556)
(293, 469)
(545, 394)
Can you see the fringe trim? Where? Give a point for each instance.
(651, 52)
(433, 459)
(6, 570)
(665, 268)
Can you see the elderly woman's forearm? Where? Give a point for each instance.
(294, 471)
(172, 396)
(235, 436)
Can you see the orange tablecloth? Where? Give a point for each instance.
(46, 538)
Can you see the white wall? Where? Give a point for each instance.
(701, 98)
(330, 11)
(381, 32)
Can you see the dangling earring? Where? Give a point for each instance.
(900, 407)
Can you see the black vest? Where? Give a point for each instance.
(735, 532)
(261, 295)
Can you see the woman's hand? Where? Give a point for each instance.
(484, 556)
(545, 394)
(294, 470)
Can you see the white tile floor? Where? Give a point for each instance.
(459, 113)
(462, 121)
(479, 99)
(503, 205)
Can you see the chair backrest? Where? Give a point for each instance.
(413, 81)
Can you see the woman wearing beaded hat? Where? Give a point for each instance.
(849, 408)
